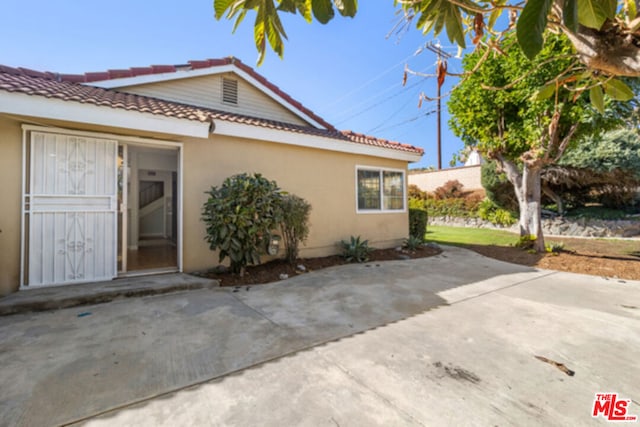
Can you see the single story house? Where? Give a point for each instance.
(104, 174)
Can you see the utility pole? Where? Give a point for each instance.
(441, 70)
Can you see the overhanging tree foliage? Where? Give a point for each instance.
(604, 32)
(499, 110)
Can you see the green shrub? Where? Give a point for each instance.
(447, 207)
(417, 203)
(597, 212)
(418, 219)
(356, 250)
(526, 242)
(239, 216)
(554, 247)
(295, 224)
(489, 211)
(503, 217)
(413, 243)
(498, 188)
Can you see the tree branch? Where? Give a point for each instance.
(611, 49)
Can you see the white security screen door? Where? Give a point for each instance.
(72, 209)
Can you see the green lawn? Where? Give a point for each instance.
(485, 236)
(469, 236)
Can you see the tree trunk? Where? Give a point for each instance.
(610, 49)
(527, 186)
(556, 198)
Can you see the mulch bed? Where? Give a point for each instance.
(579, 260)
(271, 271)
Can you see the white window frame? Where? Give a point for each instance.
(381, 171)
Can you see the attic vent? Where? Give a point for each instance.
(229, 91)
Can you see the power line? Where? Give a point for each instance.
(412, 119)
(370, 107)
(378, 94)
(367, 83)
(388, 119)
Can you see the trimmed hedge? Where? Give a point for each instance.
(418, 223)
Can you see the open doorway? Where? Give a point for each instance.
(148, 215)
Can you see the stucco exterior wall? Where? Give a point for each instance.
(10, 194)
(469, 176)
(325, 179)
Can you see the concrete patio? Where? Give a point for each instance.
(448, 340)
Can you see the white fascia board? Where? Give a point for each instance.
(57, 109)
(161, 77)
(184, 74)
(240, 130)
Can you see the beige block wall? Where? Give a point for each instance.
(10, 194)
(325, 179)
(469, 176)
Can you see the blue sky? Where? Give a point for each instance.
(349, 72)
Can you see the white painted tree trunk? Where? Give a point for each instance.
(527, 187)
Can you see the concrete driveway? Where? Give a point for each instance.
(449, 340)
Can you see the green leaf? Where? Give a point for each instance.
(610, 7)
(493, 17)
(426, 16)
(430, 8)
(439, 22)
(239, 19)
(545, 92)
(455, 32)
(592, 13)
(322, 10)
(632, 9)
(531, 26)
(570, 14)
(597, 98)
(288, 6)
(304, 7)
(221, 6)
(618, 90)
(259, 37)
(347, 7)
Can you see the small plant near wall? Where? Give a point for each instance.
(413, 243)
(356, 250)
(239, 216)
(295, 224)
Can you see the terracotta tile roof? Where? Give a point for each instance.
(191, 65)
(42, 84)
(48, 85)
(345, 135)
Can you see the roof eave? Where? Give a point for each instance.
(241, 130)
(57, 109)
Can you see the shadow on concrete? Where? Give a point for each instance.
(131, 351)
